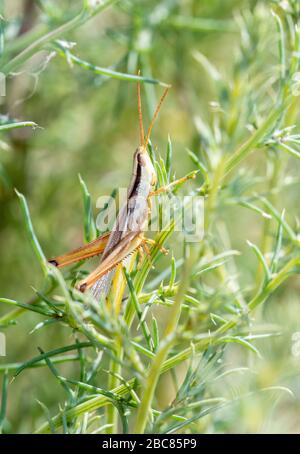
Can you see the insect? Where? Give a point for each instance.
(127, 235)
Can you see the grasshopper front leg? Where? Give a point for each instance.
(178, 182)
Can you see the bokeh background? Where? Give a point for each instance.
(88, 125)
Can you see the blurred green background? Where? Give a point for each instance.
(88, 125)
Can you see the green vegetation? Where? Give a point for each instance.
(205, 339)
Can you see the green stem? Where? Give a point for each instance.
(13, 367)
(250, 145)
(163, 350)
(24, 40)
(213, 194)
(110, 72)
(274, 283)
(268, 230)
(113, 382)
(114, 302)
(17, 125)
(141, 276)
(78, 20)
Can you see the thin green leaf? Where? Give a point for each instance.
(201, 24)
(51, 353)
(243, 342)
(173, 273)
(57, 360)
(54, 371)
(48, 416)
(31, 234)
(169, 158)
(18, 125)
(198, 163)
(278, 244)
(5, 382)
(155, 334)
(290, 150)
(143, 323)
(255, 208)
(254, 140)
(29, 307)
(90, 231)
(280, 219)
(211, 70)
(262, 260)
(281, 46)
(107, 72)
(2, 39)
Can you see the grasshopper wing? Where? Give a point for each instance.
(88, 250)
(128, 244)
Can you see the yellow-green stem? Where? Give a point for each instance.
(165, 345)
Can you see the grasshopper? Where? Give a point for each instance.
(127, 235)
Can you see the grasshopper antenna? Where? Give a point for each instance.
(142, 136)
(155, 116)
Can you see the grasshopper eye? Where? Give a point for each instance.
(142, 159)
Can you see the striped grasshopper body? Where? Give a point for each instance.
(127, 234)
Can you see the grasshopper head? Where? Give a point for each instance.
(143, 161)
